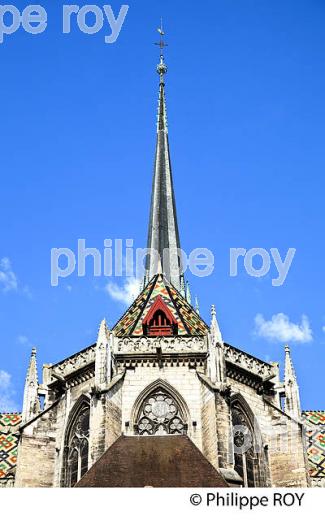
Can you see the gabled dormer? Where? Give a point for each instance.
(159, 320)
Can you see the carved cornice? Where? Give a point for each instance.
(190, 360)
(249, 363)
(247, 378)
(173, 351)
(174, 344)
(74, 363)
(81, 376)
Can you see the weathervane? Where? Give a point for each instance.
(161, 43)
(161, 67)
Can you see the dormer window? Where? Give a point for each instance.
(159, 320)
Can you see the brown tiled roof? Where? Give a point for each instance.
(166, 461)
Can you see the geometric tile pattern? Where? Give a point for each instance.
(194, 324)
(159, 289)
(9, 438)
(126, 324)
(314, 423)
(189, 322)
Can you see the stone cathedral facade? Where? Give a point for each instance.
(162, 399)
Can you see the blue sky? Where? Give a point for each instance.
(245, 93)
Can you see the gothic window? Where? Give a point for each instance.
(244, 450)
(160, 415)
(78, 447)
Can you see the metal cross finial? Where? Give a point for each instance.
(162, 44)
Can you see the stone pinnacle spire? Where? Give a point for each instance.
(216, 355)
(163, 235)
(103, 356)
(292, 401)
(31, 405)
(214, 327)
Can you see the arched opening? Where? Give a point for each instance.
(77, 444)
(159, 320)
(160, 412)
(247, 446)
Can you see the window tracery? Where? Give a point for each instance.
(78, 447)
(244, 452)
(160, 415)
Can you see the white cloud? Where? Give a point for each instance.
(8, 279)
(23, 340)
(323, 328)
(7, 403)
(280, 328)
(27, 292)
(125, 294)
(4, 379)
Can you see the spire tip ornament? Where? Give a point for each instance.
(161, 67)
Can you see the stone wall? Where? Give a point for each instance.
(209, 426)
(36, 452)
(41, 450)
(282, 439)
(207, 408)
(183, 379)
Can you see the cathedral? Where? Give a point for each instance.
(161, 399)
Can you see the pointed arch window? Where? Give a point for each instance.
(160, 414)
(77, 449)
(245, 458)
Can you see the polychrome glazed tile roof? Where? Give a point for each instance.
(189, 322)
(314, 422)
(9, 438)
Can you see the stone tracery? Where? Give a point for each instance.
(160, 415)
(78, 447)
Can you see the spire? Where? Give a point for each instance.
(182, 291)
(163, 235)
(292, 399)
(103, 356)
(103, 333)
(31, 405)
(216, 357)
(188, 293)
(214, 327)
(197, 305)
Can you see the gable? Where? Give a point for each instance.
(187, 319)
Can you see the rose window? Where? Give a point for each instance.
(160, 415)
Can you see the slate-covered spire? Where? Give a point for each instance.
(163, 235)
(292, 398)
(31, 405)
